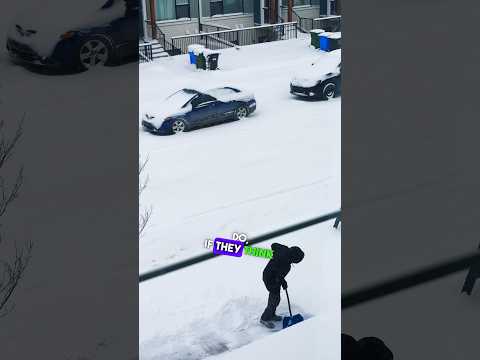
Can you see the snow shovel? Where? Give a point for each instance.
(292, 319)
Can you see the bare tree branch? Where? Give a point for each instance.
(7, 146)
(145, 215)
(11, 270)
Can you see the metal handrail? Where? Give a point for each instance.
(242, 29)
(300, 21)
(218, 27)
(144, 57)
(222, 41)
(239, 37)
(407, 281)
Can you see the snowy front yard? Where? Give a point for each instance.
(275, 168)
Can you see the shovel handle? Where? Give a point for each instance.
(288, 300)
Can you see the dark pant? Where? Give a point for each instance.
(273, 301)
(337, 222)
(472, 276)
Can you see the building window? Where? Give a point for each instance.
(300, 2)
(183, 9)
(221, 7)
(216, 7)
(172, 9)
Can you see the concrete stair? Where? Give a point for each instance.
(158, 51)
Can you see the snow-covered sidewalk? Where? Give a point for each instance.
(214, 307)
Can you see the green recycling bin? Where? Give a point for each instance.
(201, 61)
(315, 37)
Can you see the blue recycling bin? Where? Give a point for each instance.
(324, 43)
(193, 51)
(193, 58)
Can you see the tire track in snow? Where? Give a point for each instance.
(261, 197)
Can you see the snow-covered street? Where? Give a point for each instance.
(275, 168)
(279, 166)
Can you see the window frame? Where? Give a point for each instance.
(188, 5)
(176, 6)
(285, 4)
(223, 7)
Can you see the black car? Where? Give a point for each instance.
(317, 84)
(100, 37)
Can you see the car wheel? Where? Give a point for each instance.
(178, 126)
(329, 91)
(93, 53)
(241, 113)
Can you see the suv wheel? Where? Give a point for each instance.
(93, 53)
(329, 91)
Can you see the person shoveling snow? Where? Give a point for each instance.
(274, 277)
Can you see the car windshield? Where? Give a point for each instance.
(180, 98)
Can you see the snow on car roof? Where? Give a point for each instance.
(226, 94)
(221, 92)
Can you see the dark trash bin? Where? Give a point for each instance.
(315, 38)
(335, 41)
(212, 61)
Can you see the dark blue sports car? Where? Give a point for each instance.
(189, 109)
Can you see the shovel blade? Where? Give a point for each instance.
(292, 320)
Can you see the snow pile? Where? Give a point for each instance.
(312, 339)
(332, 35)
(195, 48)
(214, 307)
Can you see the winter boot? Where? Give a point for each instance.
(277, 318)
(268, 324)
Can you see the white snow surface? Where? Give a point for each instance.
(277, 167)
(214, 307)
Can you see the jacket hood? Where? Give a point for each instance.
(296, 254)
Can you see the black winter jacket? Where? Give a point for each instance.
(277, 268)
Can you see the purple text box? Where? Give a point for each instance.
(228, 247)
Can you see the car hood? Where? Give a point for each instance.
(157, 113)
(58, 17)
